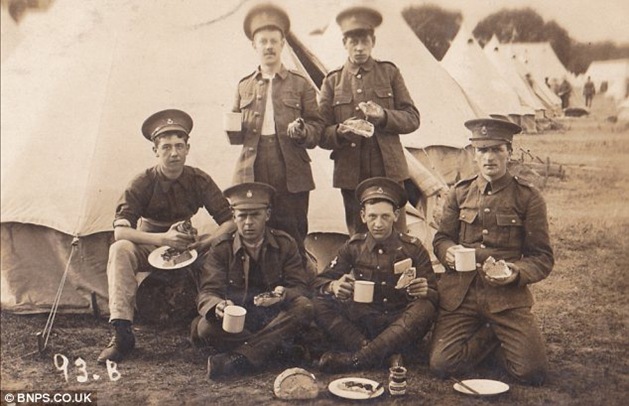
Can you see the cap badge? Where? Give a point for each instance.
(249, 194)
(170, 121)
(380, 190)
(483, 130)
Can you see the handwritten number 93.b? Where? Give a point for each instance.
(61, 363)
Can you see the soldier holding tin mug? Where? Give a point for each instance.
(253, 296)
(276, 120)
(500, 217)
(378, 296)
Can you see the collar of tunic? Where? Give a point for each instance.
(269, 239)
(355, 69)
(390, 241)
(485, 186)
(283, 72)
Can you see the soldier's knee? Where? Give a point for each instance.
(121, 248)
(531, 373)
(439, 365)
(443, 361)
(303, 310)
(322, 304)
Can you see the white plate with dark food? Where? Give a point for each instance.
(356, 388)
(484, 387)
(171, 258)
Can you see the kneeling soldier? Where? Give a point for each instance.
(240, 266)
(397, 318)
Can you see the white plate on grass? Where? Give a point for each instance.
(485, 387)
(367, 386)
(156, 260)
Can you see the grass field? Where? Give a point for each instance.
(582, 308)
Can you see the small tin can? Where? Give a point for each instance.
(397, 381)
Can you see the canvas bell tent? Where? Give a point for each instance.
(541, 59)
(615, 74)
(482, 83)
(504, 63)
(10, 35)
(74, 95)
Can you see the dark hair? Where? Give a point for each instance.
(377, 200)
(179, 134)
(360, 33)
(268, 28)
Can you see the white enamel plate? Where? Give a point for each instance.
(485, 387)
(361, 388)
(156, 260)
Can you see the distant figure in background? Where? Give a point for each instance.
(589, 90)
(564, 93)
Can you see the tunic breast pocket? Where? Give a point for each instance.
(510, 230)
(363, 271)
(246, 108)
(342, 105)
(469, 231)
(384, 97)
(292, 109)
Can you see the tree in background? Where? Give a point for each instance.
(560, 41)
(584, 53)
(524, 25)
(434, 26)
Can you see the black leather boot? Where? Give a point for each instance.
(121, 344)
(336, 362)
(226, 364)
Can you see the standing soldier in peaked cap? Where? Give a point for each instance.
(280, 121)
(240, 266)
(400, 315)
(148, 215)
(502, 217)
(365, 88)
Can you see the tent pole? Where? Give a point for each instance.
(45, 334)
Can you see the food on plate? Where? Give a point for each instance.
(354, 386)
(406, 278)
(296, 383)
(358, 126)
(267, 298)
(496, 269)
(173, 257)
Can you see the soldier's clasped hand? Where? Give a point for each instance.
(220, 308)
(296, 128)
(502, 281)
(176, 239)
(450, 255)
(373, 111)
(418, 288)
(343, 288)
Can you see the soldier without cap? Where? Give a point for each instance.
(369, 333)
(256, 259)
(148, 213)
(504, 217)
(280, 121)
(377, 87)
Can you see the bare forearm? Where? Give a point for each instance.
(137, 236)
